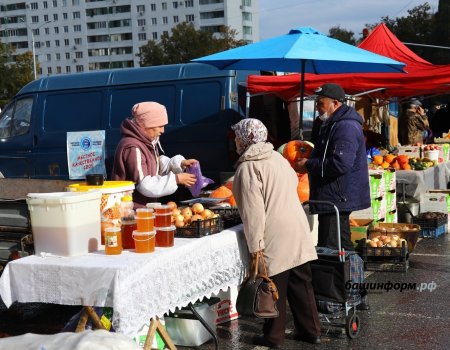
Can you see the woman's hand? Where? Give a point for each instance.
(188, 162)
(186, 179)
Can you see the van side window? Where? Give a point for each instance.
(15, 120)
(81, 111)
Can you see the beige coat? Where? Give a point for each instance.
(265, 188)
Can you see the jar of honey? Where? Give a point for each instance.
(128, 226)
(165, 236)
(163, 209)
(145, 219)
(144, 242)
(163, 220)
(113, 241)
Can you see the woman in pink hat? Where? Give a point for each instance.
(137, 156)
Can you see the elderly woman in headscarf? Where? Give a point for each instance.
(137, 156)
(265, 188)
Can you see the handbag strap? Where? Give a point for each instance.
(265, 275)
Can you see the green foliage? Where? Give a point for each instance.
(343, 35)
(13, 76)
(186, 43)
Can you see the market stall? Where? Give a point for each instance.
(137, 286)
(416, 182)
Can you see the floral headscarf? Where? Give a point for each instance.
(249, 131)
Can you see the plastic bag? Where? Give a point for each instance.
(201, 182)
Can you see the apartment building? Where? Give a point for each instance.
(82, 35)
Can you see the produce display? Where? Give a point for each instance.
(388, 240)
(185, 216)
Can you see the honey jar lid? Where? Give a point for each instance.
(166, 228)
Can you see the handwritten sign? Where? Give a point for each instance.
(86, 153)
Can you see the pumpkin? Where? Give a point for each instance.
(377, 159)
(402, 159)
(389, 158)
(232, 201)
(229, 185)
(303, 187)
(296, 149)
(221, 192)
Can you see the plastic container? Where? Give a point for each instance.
(163, 220)
(65, 223)
(145, 219)
(113, 241)
(163, 209)
(185, 332)
(112, 193)
(128, 226)
(144, 242)
(165, 236)
(431, 155)
(126, 206)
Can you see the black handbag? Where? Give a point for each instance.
(258, 294)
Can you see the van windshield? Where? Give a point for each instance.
(15, 120)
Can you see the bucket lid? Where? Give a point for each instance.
(62, 197)
(107, 187)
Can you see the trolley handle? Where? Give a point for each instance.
(338, 225)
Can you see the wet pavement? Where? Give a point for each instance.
(411, 319)
(408, 319)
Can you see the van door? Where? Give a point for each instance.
(17, 139)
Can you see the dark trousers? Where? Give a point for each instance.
(295, 286)
(328, 231)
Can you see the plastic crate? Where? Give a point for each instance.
(200, 228)
(430, 223)
(387, 266)
(230, 216)
(432, 232)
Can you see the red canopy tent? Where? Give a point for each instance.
(423, 77)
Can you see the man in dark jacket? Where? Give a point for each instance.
(337, 168)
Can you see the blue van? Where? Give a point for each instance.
(202, 103)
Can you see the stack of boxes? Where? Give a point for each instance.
(383, 197)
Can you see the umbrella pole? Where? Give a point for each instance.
(302, 94)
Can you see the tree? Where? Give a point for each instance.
(416, 27)
(13, 76)
(186, 43)
(343, 35)
(441, 33)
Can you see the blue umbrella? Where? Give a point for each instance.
(303, 50)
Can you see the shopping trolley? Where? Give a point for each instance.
(332, 273)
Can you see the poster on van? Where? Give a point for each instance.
(86, 153)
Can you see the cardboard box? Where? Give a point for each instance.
(411, 151)
(391, 217)
(436, 200)
(390, 179)
(360, 231)
(377, 183)
(377, 210)
(391, 201)
(225, 309)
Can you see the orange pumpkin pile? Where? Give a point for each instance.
(225, 191)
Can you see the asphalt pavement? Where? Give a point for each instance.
(399, 317)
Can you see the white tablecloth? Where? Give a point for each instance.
(420, 181)
(137, 286)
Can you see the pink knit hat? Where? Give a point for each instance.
(149, 114)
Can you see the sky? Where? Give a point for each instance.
(277, 17)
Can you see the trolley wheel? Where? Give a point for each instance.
(352, 324)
